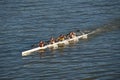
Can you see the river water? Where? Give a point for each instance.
(26, 22)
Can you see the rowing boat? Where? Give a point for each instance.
(55, 45)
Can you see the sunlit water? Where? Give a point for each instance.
(26, 22)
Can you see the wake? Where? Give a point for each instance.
(112, 26)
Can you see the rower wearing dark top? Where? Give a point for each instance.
(41, 44)
(52, 40)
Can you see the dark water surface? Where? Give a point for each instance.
(25, 22)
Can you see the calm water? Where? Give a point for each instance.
(25, 22)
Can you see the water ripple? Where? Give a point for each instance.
(25, 22)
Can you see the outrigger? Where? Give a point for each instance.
(55, 45)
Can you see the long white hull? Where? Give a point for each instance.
(55, 45)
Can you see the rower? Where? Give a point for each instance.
(72, 34)
(61, 38)
(52, 40)
(41, 44)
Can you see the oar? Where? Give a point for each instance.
(34, 45)
(79, 32)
